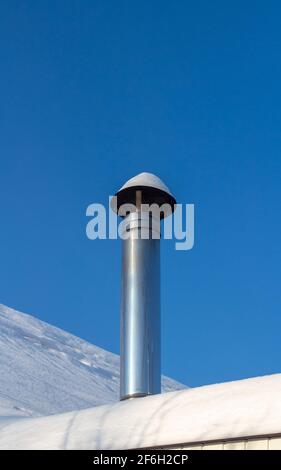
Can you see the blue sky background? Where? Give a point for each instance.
(94, 92)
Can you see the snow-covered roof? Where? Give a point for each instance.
(45, 370)
(249, 407)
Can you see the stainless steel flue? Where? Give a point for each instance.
(140, 354)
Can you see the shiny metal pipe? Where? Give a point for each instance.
(140, 308)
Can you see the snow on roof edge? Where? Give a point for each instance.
(242, 408)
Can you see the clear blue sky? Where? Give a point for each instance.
(93, 92)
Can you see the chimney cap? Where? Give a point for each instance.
(154, 191)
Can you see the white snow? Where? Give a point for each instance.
(231, 410)
(44, 370)
(146, 179)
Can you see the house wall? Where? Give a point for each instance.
(249, 443)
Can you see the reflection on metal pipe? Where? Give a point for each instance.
(140, 310)
(140, 296)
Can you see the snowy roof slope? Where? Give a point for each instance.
(45, 370)
(236, 409)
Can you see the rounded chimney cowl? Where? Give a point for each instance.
(153, 191)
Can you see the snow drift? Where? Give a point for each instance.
(249, 407)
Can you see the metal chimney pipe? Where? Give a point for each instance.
(140, 372)
(140, 352)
